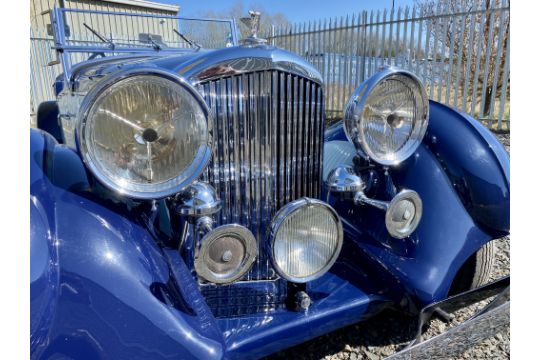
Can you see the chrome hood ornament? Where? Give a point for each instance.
(253, 24)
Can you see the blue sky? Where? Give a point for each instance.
(296, 10)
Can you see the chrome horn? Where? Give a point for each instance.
(197, 203)
(402, 213)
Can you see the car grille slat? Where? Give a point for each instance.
(267, 135)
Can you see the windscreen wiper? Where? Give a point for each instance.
(190, 42)
(155, 45)
(99, 36)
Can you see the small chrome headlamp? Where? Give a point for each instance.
(387, 116)
(146, 134)
(305, 238)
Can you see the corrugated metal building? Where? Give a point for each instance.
(117, 28)
(39, 16)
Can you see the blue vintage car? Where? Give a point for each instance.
(192, 204)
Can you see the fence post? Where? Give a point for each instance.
(504, 87)
(364, 44)
(497, 64)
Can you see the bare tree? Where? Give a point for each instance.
(237, 10)
(484, 34)
(216, 35)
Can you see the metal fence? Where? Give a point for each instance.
(459, 48)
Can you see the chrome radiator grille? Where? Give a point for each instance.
(268, 129)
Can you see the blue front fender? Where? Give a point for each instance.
(100, 285)
(461, 173)
(476, 164)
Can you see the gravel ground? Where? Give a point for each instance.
(388, 332)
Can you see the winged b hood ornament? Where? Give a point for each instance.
(253, 24)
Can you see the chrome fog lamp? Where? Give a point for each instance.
(305, 238)
(387, 116)
(145, 134)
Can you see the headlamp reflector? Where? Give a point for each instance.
(145, 136)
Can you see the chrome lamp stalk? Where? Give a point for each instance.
(402, 214)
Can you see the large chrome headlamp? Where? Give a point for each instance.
(305, 239)
(387, 116)
(145, 134)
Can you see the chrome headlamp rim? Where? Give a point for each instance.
(358, 101)
(92, 97)
(278, 220)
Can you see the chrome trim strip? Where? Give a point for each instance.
(486, 322)
(294, 150)
(244, 60)
(301, 124)
(458, 339)
(306, 140)
(288, 140)
(281, 141)
(311, 138)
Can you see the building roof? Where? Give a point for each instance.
(147, 4)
